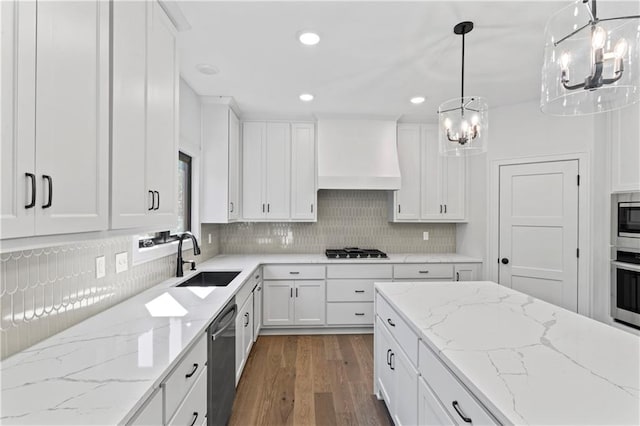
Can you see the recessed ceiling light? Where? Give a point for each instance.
(309, 38)
(306, 97)
(207, 69)
(417, 100)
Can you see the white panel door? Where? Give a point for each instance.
(72, 116)
(278, 170)
(303, 172)
(310, 302)
(253, 142)
(453, 187)
(247, 325)
(162, 117)
(405, 378)
(277, 303)
(383, 374)
(130, 200)
(466, 272)
(432, 207)
(234, 166)
(407, 206)
(539, 230)
(18, 201)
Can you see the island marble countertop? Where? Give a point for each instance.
(527, 361)
(101, 370)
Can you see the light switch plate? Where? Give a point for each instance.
(122, 263)
(425, 236)
(100, 267)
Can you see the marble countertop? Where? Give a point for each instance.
(101, 370)
(527, 361)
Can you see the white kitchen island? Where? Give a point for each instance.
(519, 360)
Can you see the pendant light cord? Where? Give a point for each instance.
(462, 82)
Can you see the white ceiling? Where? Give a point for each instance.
(372, 57)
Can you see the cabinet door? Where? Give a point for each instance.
(130, 200)
(466, 272)
(277, 305)
(247, 325)
(310, 302)
(405, 385)
(253, 142)
(430, 411)
(625, 149)
(432, 206)
(17, 136)
(257, 311)
(383, 373)
(278, 171)
(162, 107)
(240, 331)
(72, 110)
(234, 167)
(303, 172)
(407, 198)
(453, 187)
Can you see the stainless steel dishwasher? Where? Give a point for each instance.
(221, 386)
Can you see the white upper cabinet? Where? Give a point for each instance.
(253, 145)
(64, 148)
(625, 145)
(220, 163)
(144, 128)
(303, 172)
(277, 178)
(433, 187)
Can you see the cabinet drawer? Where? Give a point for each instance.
(349, 290)
(177, 383)
(449, 390)
(398, 328)
(360, 271)
(423, 271)
(294, 272)
(194, 407)
(357, 313)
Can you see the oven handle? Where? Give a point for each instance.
(627, 266)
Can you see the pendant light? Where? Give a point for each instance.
(464, 121)
(591, 63)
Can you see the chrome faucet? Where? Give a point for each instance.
(196, 252)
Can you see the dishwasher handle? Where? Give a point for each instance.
(220, 327)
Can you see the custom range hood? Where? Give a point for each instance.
(357, 154)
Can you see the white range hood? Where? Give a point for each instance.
(357, 154)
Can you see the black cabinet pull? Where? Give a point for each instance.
(291, 292)
(391, 363)
(388, 352)
(359, 314)
(231, 211)
(195, 367)
(50, 199)
(460, 413)
(257, 276)
(359, 291)
(195, 417)
(262, 207)
(153, 200)
(311, 208)
(399, 209)
(457, 276)
(423, 272)
(294, 272)
(259, 288)
(246, 317)
(158, 194)
(445, 208)
(268, 207)
(33, 190)
(440, 208)
(296, 291)
(390, 322)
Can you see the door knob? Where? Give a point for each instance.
(504, 261)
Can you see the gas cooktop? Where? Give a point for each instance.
(355, 253)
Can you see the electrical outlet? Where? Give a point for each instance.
(425, 236)
(122, 263)
(100, 267)
(209, 238)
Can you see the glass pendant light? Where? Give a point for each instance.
(464, 121)
(591, 63)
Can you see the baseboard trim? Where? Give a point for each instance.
(297, 331)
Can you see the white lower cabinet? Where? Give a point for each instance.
(194, 406)
(466, 272)
(294, 302)
(244, 334)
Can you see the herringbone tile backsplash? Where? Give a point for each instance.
(345, 219)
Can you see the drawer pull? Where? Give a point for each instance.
(391, 323)
(195, 417)
(423, 272)
(392, 364)
(195, 368)
(246, 316)
(388, 352)
(257, 277)
(460, 413)
(359, 291)
(359, 314)
(294, 272)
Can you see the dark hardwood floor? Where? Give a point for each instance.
(309, 380)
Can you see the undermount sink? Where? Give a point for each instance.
(210, 279)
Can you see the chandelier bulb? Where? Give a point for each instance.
(475, 120)
(565, 58)
(464, 126)
(447, 124)
(620, 48)
(598, 38)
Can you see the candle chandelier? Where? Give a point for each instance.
(464, 121)
(591, 64)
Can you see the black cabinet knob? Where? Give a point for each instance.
(504, 261)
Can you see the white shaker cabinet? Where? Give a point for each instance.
(220, 163)
(244, 334)
(62, 139)
(406, 200)
(625, 149)
(303, 172)
(144, 129)
(266, 174)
